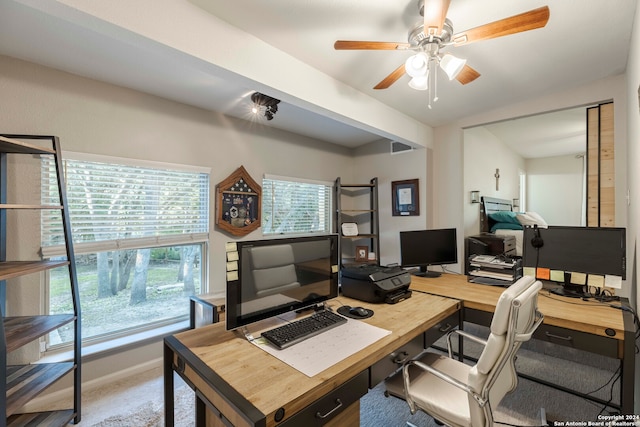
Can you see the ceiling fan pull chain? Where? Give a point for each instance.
(433, 70)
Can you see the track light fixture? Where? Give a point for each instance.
(261, 100)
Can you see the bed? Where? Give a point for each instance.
(498, 217)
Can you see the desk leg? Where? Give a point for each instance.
(627, 376)
(460, 338)
(201, 412)
(168, 387)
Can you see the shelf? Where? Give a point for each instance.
(49, 419)
(22, 206)
(20, 384)
(358, 185)
(24, 382)
(356, 211)
(363, 198)
(8, 145)
(22, 330)
(11, 269)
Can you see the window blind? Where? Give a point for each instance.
(123, 206)
(291, 206)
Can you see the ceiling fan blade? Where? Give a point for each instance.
(391, 78)
(368, 45)
(467, 75)
(536, 18)
(435, 12)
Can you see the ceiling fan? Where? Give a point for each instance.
(431, 36)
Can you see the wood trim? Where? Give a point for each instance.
(600, 166)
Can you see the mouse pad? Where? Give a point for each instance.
(344, 310)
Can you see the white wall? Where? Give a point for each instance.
(555, 189)
(446, 186)
(376, 160)
(483, 154)
(632, 162)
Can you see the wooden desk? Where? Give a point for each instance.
(586, 325)
(238, 384)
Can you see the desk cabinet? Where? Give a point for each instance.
(330, 406)
(206, 309)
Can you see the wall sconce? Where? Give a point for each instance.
(516, 203)
(475, 196)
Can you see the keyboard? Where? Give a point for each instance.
(299, 330)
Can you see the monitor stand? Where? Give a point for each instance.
(426, 273)
(569, 289)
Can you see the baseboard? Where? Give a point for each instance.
(49, 400)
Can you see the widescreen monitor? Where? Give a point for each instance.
(267, 278)
(423, 248)
(569, 255)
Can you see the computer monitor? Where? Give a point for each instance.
(423, 248)
(277, 276)
(570, 255)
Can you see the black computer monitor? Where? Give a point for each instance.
(575, 252)
(277, 276)
(423, 248)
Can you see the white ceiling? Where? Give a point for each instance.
(557, 133)
(567, 52)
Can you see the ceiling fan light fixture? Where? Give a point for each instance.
(452, 65)
(420, 82)
(417, 65)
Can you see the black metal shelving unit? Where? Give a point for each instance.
(22, 383)
(362, 209)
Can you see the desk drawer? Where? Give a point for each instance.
(576, 339)
(442, 328)
(387, 366)
(328, 407)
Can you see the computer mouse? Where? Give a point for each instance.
(359, 311)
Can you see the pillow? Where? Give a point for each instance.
(504, 216)
(531, 218)
(505, 226)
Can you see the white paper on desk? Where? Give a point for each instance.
(318, 353)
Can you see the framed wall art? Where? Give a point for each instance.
(404, 197)
(362, 253)
(238, 203)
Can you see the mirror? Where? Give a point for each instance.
(541, 162)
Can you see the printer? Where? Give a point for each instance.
(373, 283)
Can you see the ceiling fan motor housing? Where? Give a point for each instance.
(417, 37)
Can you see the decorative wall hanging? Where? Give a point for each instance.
(238, 203)
(404, 195)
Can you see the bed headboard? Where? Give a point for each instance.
(489, 205)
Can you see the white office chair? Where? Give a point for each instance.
(458, 394)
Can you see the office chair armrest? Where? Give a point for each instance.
(464, 334)
(441, 375)
(527, 336)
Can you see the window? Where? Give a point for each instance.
(294, 206)
(140, 232)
